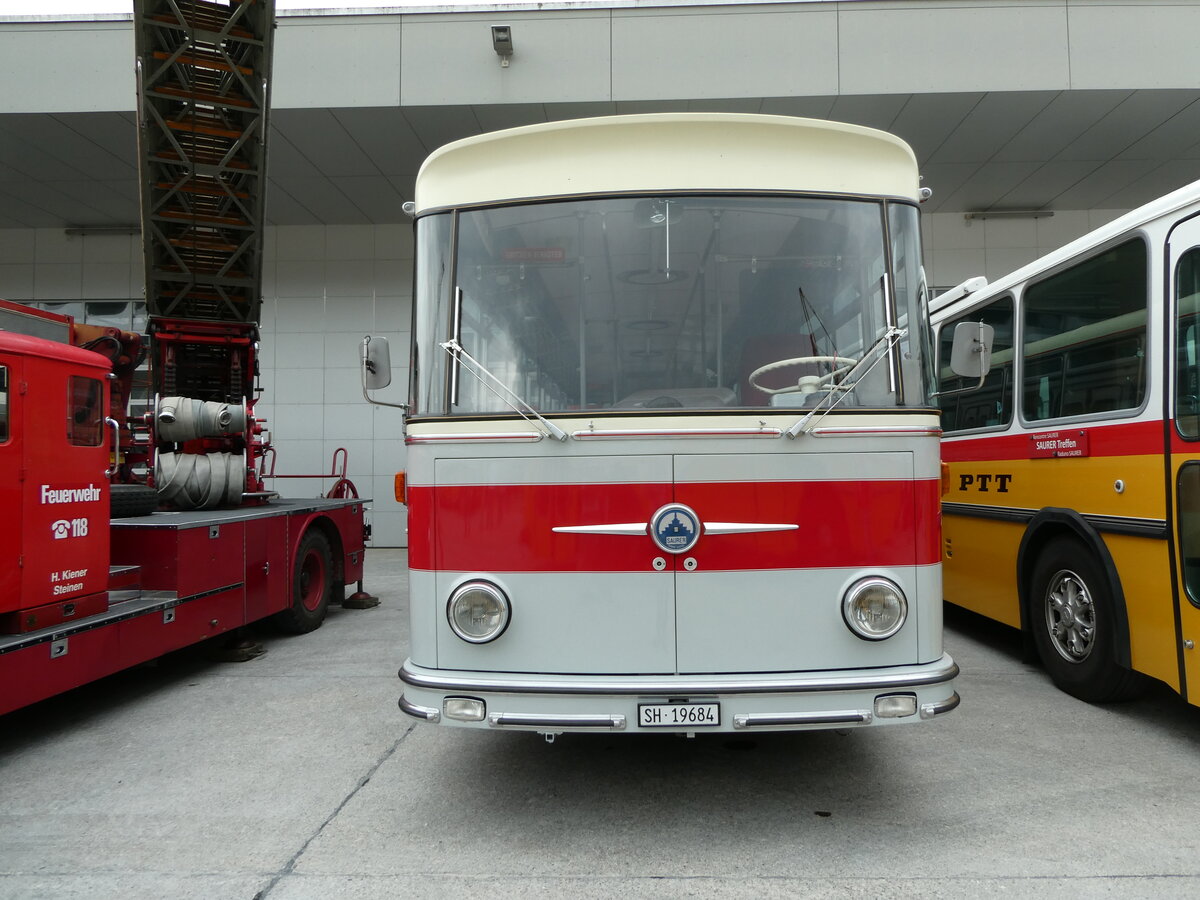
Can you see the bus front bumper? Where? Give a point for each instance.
(552, 704)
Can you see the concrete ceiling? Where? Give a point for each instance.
(1058, 150)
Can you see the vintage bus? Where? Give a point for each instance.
(1073, 504)
(672, 450)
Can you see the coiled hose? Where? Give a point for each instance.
(200, 480)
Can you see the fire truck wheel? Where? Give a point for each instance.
(127, 500)
(312, 585)
(1073, 617)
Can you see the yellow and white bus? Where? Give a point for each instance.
(1072, 507)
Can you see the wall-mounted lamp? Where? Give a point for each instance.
(86, 230)
(1010, 214)
(502, 43)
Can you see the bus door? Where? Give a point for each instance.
(1184, 465)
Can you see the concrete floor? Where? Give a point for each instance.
(294, 776)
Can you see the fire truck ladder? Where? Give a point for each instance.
(203, 71)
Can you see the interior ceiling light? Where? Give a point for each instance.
(652, 276)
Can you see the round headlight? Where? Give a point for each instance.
(478, 612)
(874, 608)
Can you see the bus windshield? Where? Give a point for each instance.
(669, 302)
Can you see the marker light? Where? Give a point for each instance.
(895, 706)
(478, 612)
(465, 709)
(874, 608)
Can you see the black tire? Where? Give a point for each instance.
(312, 585)
(1074, 620)
(128, 500)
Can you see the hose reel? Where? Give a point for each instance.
(199, 480)
(184, 419)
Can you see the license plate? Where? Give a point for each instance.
(676, 715)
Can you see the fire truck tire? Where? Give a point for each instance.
(128, 500)
(1073, 618)
(312, 585)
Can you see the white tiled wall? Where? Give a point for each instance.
(957, 248)
(324, 287)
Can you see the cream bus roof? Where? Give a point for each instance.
(667, 152)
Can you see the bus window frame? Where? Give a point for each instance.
(1172, 312)
(1149, 360)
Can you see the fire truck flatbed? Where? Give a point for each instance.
(178, 578)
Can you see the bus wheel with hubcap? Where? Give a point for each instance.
(1073, 617)
(312, 585)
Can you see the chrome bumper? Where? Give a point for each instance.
(556, 703)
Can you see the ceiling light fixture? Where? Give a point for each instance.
(85, 230)
(502, 43)
(1010, 214)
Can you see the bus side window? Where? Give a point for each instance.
(1187, 350)
(1085, 336)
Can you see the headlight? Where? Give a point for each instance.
(874, 608)
(478, 612)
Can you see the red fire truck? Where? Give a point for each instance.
(91, 580)
(84, 594)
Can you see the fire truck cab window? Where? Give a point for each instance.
(3, 403)
(85, 411)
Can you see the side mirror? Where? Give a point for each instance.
(376, 365)
(376, 360)
(971, 352)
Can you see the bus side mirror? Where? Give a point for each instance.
(376, 360)
(376, 366)
(971, 352)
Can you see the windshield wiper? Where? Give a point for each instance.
(458, 354)
(844, 388)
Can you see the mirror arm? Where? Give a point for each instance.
(368, 367)
(966, 390)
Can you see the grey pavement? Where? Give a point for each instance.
(294, 776)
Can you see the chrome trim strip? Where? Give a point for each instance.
(876, 431)
(420, 712)
(635, 529)
(609, 434)
(482, 438)
(1152, 528)
(745, 527)
(775, 720)
(529, 720)
(929, 710)
(1130, 525)
(632, 529)
(894, 678)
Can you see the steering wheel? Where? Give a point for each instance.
(840, 363)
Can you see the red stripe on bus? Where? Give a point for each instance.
(1132, 439)
(509, 528)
